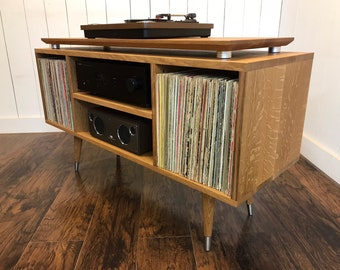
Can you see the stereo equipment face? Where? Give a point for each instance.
(121, 81)
(123, 130)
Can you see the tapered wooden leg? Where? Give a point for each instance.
(208, 204)
(77, 152)
(250, 206)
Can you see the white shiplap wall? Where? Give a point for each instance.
(24, 22)
(315, 26)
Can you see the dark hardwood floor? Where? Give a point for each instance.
(117, 215)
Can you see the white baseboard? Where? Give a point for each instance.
(325, 159)
(25, 125)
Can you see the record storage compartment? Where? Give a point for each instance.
(272, 96)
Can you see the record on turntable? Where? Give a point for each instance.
(163, 26)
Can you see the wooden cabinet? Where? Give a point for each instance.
(273, 89)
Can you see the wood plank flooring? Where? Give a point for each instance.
(117, 215)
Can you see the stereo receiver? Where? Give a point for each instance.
(127, 82)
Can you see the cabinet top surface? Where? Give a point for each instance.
(241, 61)
(211, 43)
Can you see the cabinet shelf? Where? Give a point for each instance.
(59, 126)
(144, 160)
(100, 101)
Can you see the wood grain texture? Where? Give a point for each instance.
(313, 180)
(208, 210)
(111, 242)
(162, 212)
(165, 253)
(272, 110)
(241, 61)
(69, 215)
(45, 221)
(28, 185)
(261, 104)
(50, 255)
(80, 109)
(292, 116)
(217, 44)
(100, 101)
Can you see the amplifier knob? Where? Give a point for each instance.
(132, 131)
(133, 84)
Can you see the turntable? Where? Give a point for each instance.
(163, 26)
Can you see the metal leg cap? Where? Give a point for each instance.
(223, 54)
(76, 166)
(207, 243)
(250, 209)
(274, 49)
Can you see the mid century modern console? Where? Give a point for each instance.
(272, 95)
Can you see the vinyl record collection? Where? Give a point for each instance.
(196, 114)
(56, 91)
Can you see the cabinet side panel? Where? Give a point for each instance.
(258, 135)
(293, 110)
(155, 69)
(41, 84)
(73, 85)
